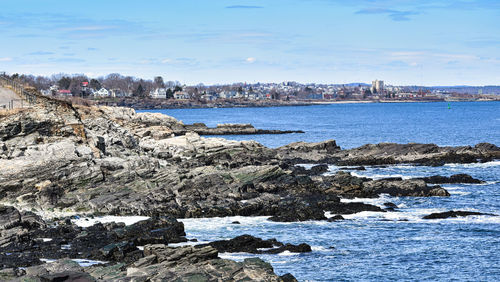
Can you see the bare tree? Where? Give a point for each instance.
(76, 83)
(158, 82)
(112, 81)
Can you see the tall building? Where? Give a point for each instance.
(377, 86)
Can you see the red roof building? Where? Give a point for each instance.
(64, 92)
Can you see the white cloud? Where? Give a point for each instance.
(5, 59)
(90, 28)
(250, 60)
(407, 54)
(166, 61)
(456, 56)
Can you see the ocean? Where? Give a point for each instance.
(353, 125)
(371, 246)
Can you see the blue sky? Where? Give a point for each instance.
(439, 42)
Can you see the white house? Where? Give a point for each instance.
(208, 97)
(46, 92)
(180, 95)
(103, 92)
(253, 96)
(227, 94)
(158, 93)
(118, 93)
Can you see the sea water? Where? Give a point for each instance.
(396, 245)
(353, 125)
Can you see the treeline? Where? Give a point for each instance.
(137, 86)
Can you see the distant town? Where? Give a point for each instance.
(116, 89)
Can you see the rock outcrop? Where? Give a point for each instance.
(456, 178)
(388, 153)
(450, 214)
(254, 245)
(25, 238)
(229, 129)
(116, 161)
(160, 263)
(27, 242)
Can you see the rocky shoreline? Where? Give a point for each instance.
(114, 161)
(138, 252)
(155, 104)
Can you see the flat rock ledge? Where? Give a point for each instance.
(229, 129)
(452, 214)
(460, 178)
(254, 245)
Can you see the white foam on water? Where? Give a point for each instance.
(452, 187)
(287, 253)
(86, 262)
(81, 262)
(320, 249)
(461, 193)
(280, 262)
(382, 176)
(416, 215)
(383, 198)
(453, 190)
(405, 215)
(466, 219)
(46, 239)
(235, 256)
(215, 223)
(306, 166)
(483, 184)
(264, 249)
(190, 243)
(480, 165)
(128, 220)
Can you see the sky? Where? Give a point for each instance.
(403, 42)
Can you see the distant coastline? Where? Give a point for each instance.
(156, 104)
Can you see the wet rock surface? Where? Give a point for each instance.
(344, 184)
(115, 247)
(160, 263)
(28, 239)
(387, 154)
(254, 245)
(337, 217)
(451, 214)
(453, 179)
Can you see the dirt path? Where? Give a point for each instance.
(7, 95)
